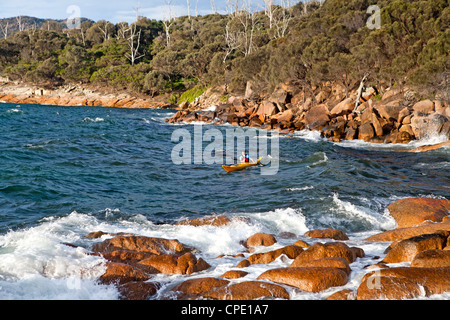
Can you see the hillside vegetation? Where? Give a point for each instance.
(306, 46)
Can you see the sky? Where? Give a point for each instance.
(112, 10)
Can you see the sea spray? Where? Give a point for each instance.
(119, 178)
(363, 214)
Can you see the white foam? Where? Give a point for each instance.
(281, 220)
(382, 222)
(14, 111)
(308, 135)
(300, 188)
(37, 287)
(429, 140)
(212, 240)
(97, 119)
(360, 144)
(37, 263)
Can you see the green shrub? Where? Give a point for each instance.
(192, 94)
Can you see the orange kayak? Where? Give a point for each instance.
(241, 166)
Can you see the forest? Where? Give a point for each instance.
(306, 45)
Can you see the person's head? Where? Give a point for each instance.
(243, 153)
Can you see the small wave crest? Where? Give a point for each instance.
(300, 188)
(97, 119)
(308, 135)
(349, 211)
(425, 141)
(428, 140)
(15, 110)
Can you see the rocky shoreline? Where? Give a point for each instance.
(394, 117)
(421, 241)
(75, 96)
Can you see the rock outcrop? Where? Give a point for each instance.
(395, 118)
(75, 96)
(414, 211)
(137, 264)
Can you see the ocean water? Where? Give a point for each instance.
(69, 171)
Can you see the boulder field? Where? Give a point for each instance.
(421, 243)
(394, 117)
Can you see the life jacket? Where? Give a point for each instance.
(247, 158)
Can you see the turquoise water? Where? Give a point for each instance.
(67, 171)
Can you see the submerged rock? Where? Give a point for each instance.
(432, 147)
(209, 221)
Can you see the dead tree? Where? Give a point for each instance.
(232, 40)
(247, 18)
(196, 8)
(279, 17)
(122, 29)
(4, 29)
(103, 27)
(213, 6)
(268, 10)
(168, 20)
(362, 85)
(282, 19)
(134, 41)
(240, 29)
(20, 25)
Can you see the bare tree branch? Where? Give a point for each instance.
(168, 20)
(134, 41)
(4, 29)
(104, 30)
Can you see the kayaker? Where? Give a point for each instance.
(245, 158)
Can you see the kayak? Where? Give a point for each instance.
(241, 166)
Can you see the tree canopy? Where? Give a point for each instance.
(304, 45)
